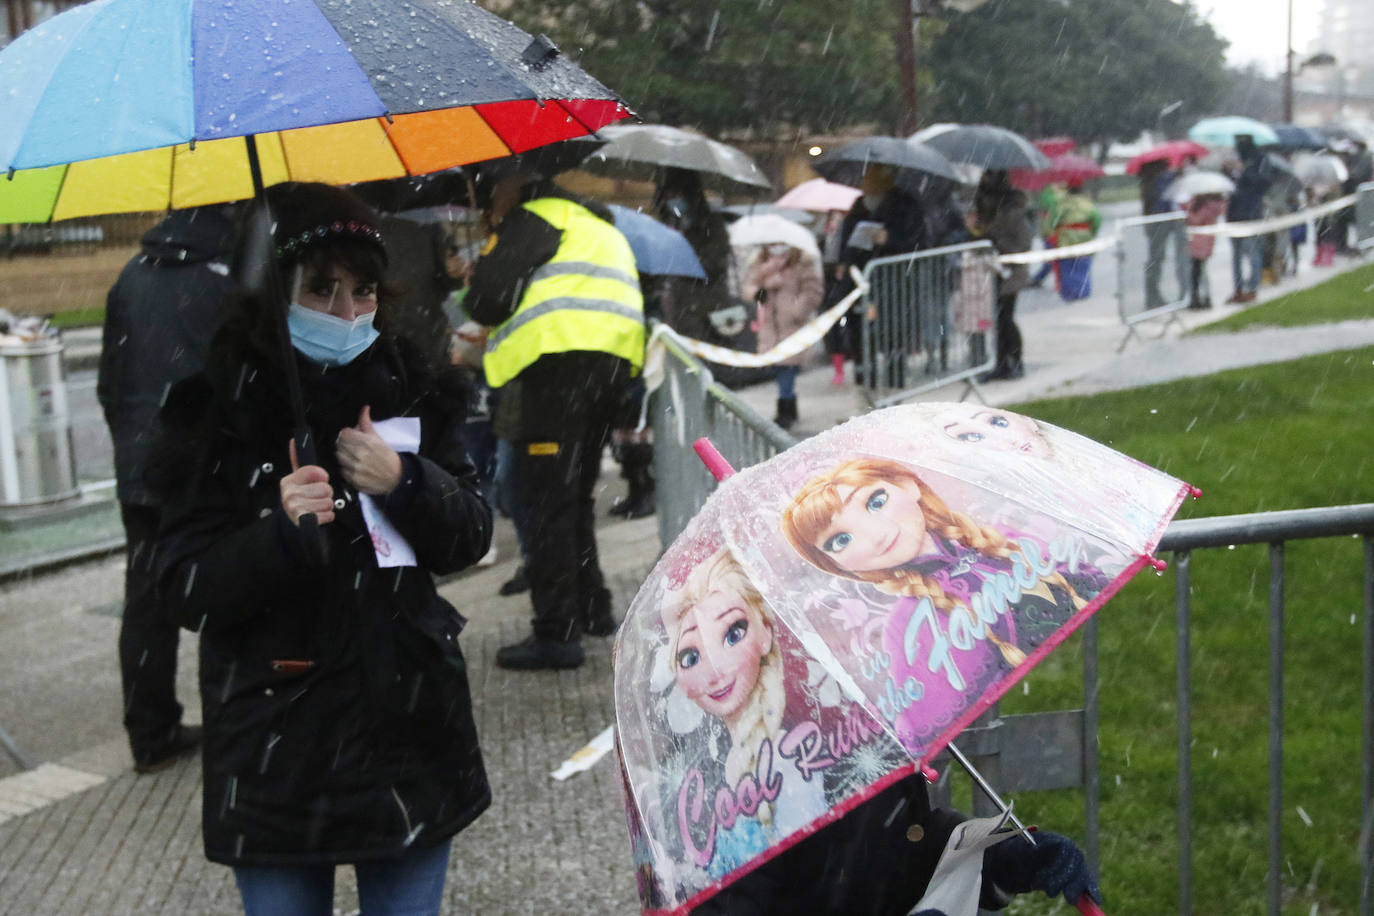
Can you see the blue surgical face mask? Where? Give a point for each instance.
(327, 340)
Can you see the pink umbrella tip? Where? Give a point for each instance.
(715, 462)
(1155, 562)
(1088, 907)
(1195, 492)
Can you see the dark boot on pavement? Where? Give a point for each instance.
(516, 584)
(537, 654)
(787, 413)
(637, 467)
(185, 739)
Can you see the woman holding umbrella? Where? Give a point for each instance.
(338, 721)
(999, 215)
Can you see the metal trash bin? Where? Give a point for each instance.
(36, 454)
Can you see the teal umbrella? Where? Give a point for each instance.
(1222, 131)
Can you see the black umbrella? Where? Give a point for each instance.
(1291, 136)
(984, 145)
(916, 163)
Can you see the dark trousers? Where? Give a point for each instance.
(147, 643)
(1008, 334)
(557, 481)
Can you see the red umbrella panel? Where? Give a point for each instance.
(841, 612)
(1063, 169)
(1054, 146)
(1174, 152)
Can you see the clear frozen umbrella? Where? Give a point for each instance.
(642, 151)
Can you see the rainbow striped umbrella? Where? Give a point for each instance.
(141, 105)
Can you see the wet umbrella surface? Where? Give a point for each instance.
(843, 610)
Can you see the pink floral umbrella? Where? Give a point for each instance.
(819, 195)
(838, 614)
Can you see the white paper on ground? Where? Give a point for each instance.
(403, 435)
(587, 757)
(958, 879)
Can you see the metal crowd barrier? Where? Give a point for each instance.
(930, 317)
(1275, 529)
(1153, 271)
(1364, 216)
(690, 404)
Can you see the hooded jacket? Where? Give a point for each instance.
(338, 719)
(159, 318)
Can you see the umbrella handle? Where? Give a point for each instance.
(1088, 907)
(715, 462)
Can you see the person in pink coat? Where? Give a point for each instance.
(788, 287)
(1203, 210)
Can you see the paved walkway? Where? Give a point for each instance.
(81, 834)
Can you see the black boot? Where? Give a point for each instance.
(787, 413)
(637, 467)
(536, 654)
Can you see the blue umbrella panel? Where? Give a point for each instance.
(658, 249)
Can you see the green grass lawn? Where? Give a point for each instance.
(1341, 298)
(1282, 436)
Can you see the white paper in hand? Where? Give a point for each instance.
(958, 879)
(864, 235)
(403, 435)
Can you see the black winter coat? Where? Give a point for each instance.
(160, 316)
(876, 860)
(338, 720)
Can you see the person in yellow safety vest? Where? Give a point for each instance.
(1075, 220)
(557, 285)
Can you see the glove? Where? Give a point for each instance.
(1053, 865)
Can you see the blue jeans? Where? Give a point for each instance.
(509, 500)
(787, 381)
(412, 885)
(1246, 249)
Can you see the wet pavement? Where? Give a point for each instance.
(81, 833)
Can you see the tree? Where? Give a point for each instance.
(1092, 69)
(766, 66)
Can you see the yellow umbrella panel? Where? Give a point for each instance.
(216, 171)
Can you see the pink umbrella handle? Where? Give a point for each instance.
(1088, 907)
(715, 462)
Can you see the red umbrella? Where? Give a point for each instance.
(1175, 151)
(1054, 146)
(1064, 169)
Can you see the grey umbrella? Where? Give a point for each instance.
(916, 163)
(984, 145)
(642, 151)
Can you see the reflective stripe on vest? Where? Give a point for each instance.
(586, 297)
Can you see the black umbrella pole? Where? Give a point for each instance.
(262, 277)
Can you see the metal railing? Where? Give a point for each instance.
(1275, 529)
(929, 321)
(688, 405)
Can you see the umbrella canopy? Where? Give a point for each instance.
(1055, 146)
(819, 195)
(915, 163)
(984, 145)
(843, 610)
(1174, 152)
(772, 229)
(1198, 182)
(1292, 137)
(1222, 131)
(658, 249)
(1320, 169)
(642, 151)
(1064, 169)
(327, 93)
